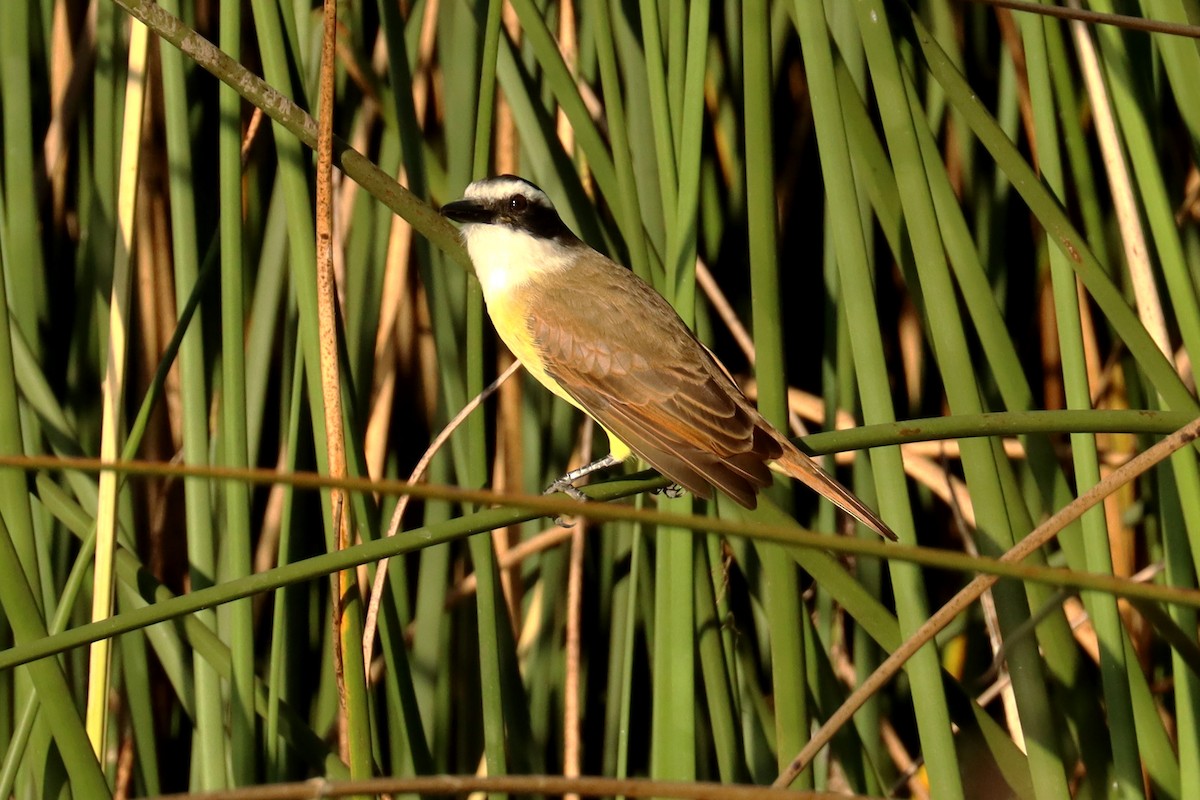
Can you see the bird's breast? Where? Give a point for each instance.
(511, 305)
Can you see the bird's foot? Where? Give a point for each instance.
(567, 487)
(566, 484)
(674, 491)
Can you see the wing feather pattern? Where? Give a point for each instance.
(625, 356)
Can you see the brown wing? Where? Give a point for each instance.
(620, 350)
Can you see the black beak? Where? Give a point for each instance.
(467, 211)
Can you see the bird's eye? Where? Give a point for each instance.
(518, 203)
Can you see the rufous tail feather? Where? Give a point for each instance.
(796, 465)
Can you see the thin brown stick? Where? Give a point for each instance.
(721, 305)
(1125, 204)
(1097, 17)
(381, 568)
(991, 621)
(343, 581)
(252, 129)
(572, 731)
(523, 785)
(528, 507)
(1041, 535)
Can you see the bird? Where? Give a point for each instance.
(598, 336)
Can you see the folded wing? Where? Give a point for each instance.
(625, 356)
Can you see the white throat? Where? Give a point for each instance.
(505, 258)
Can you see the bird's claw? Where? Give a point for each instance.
(569, 489)
(674, 491)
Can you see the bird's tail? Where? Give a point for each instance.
(796, 465)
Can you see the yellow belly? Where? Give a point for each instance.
(509, 313)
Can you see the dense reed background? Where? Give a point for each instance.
(872, 211)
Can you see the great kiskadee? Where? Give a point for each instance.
(602, 339)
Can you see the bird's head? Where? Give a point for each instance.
(512, 231)
(510, 202)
